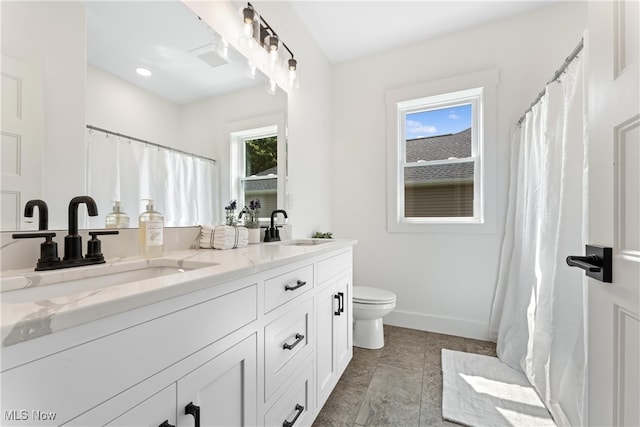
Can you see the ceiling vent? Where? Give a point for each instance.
(208, 54)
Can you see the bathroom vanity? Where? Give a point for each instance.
(251, 336)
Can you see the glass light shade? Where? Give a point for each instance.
(293, 80)
(249, 28)
(251, 70)
(271, 87)
(248, 20)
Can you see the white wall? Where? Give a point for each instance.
(444, 282)
(119, 106)
(311, 164)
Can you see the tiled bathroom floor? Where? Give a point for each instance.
(398, 385)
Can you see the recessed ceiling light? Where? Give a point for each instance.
(143, 72)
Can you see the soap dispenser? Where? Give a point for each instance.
(117, 218)
(151, 232)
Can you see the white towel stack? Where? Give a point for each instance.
(223, 237)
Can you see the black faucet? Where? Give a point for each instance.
(43, 213)
(73, 241)
(49, 259)
(272, 234)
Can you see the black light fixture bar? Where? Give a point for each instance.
(267, 30)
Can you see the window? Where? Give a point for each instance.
(258, 163)
(260, 177)
(438, 169)
(440, 157)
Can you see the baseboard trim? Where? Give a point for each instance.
(439, 324)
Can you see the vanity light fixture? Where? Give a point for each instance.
(293, 74)
(249, 18)
(257, 28)
(143, 72)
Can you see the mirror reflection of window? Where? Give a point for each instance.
(260, 177)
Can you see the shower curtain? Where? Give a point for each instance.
(183, 186)
(538, 311)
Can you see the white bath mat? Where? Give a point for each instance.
(482, 391)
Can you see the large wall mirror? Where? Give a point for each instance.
(79, 63)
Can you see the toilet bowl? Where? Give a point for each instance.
(370, 305)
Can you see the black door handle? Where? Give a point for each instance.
(299, 410)
(194, 410)
(597, 262)
(165, 423)
(589, 263)
(337, 312)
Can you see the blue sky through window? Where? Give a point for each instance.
(438, 122)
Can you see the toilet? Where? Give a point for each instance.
(369, 306)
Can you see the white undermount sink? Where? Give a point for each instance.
(38, 286)
(306, 242)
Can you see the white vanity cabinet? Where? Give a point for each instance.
(251, 351)
(334, 322)
(217, 384)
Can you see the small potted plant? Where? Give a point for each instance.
(252, 221)
(230, 213)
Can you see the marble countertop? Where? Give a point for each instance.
(33, 304)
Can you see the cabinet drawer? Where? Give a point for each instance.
(285, 287)
(287, 343)
(294, 407)
(327, 268)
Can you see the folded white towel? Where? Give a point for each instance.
(223, 237)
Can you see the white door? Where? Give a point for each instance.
(614, 211)
(22, 139)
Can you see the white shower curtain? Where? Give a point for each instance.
(183, 186)
(538, 316)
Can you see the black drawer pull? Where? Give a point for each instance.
(340, 298)
(299, 409)
(299, 338)
(166, 424)
(299, 284)
(194, 410)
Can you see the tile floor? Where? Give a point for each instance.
(398, 385)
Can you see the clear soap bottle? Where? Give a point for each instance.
(150, 232)
(117, 218)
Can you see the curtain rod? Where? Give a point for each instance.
(556, 76)
(132, 138)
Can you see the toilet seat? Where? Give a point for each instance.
(367, 295)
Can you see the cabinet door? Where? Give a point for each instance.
(223, 391)
(342, 327)
(333, 335)
(152, 412)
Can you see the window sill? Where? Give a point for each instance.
(467, 226)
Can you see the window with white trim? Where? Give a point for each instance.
(439, 173)
(257, 168)
(440, 157)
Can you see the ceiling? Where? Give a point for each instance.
(182, 52)
(346, 30)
